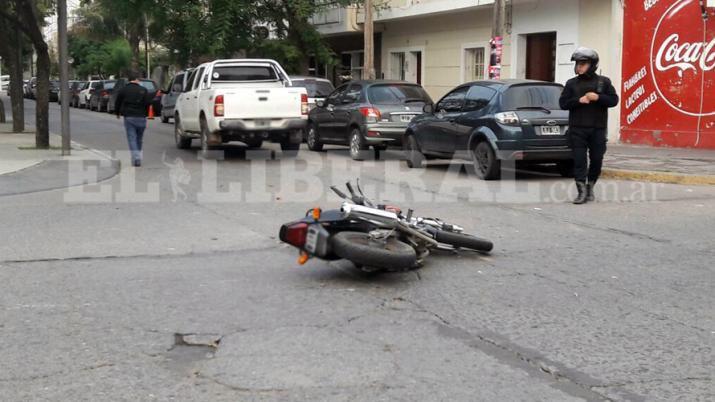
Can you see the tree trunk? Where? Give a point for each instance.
(17, 97)
(42, 111)
(134, 40)
(30, 16)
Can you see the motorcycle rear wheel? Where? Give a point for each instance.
(357, 247)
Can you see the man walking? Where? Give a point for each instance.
(587, 97)
(132, 102)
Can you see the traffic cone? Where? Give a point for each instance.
(151, 112)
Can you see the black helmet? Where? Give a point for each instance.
(586, 54)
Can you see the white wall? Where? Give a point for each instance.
(593, 23)
(535, 16)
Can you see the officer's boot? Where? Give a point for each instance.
(590, 197)
(581, 198)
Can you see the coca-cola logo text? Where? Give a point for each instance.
(682, 58)
(685, 56)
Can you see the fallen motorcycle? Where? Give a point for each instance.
(374, 237)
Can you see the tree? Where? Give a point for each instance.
(28, 16)
(11, 51)
(118, 57)
(296, 37)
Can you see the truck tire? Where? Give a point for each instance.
(461, 240)
(182, 142)
(356, 247)
(206, 150)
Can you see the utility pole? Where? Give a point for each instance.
(369, 29)
(64, 75)
(497, 40)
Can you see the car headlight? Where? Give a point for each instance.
(507, 118)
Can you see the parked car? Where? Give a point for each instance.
(318, 88)
(244, 100)
(54, 90)
(146, 83)
(87, 92)
(5, 83)
(176, 87)
(31, 84)
(490, 121)
(69, 88)
(361, 114)
(100, 97)
(75, 89)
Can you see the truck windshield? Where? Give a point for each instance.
(243, 73)
(532, 96)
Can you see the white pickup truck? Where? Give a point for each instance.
(246, 100)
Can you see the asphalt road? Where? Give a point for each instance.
(117, 291)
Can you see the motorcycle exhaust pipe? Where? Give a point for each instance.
(370, 214)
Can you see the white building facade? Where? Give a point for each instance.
(443, 43)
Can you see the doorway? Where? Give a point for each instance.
(406, 66)
(541, 56)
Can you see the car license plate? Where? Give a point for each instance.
(550, 130)
(262, 123)
(406, 118)
(311, 240)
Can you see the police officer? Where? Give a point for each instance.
(587, 97)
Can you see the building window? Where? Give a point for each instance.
(475, 64)
(316, 69)
(352, 65)
(329, 14)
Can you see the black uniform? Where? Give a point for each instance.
(588, 122)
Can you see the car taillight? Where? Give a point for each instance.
(304, 108)
(507, 118)
(295, 234)
(104, 93)
(371, 114)
(218, 106)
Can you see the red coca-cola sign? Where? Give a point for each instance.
(668, 73)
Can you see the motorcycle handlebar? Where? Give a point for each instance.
(338, 192)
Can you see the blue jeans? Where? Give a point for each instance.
(135, 127)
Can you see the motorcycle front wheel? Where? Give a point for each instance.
(461, 240)
(391, 255)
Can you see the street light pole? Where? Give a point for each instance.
(64, 75)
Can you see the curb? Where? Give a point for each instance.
(659, 177)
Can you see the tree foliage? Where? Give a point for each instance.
(193, 31)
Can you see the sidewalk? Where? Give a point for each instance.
(663, 165)
(24, 169)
